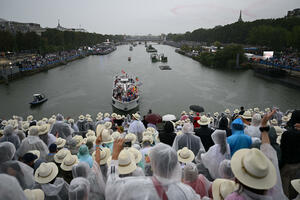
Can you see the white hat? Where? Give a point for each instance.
(43, 129)
(147, 138)
(104, 155)
(106, 115)
(151, 129)
(60, 155)
(40, 123)
(114, 115)
(81, 117)
(253, 169)
(247, 115)
(131, 137)
(106, 137)
(183, 113)
(285, 119)
(35, 152)
(25, 126)
(148, 133)
(60, 142)
(35, 194)
(236, 111)
(29, 118)
(68, 162)
(79, 140)
(204, 120)
(100, 114)
(274, 122)
(187, 120)
(136, 153)
(91, 139)
(99, 129)
(221, 188)
(4, 123)
(71, 120)
(191, 112)
(216, 114)
(46, 172)
(256, 110)
(296, 184)
(227, 111)
(87, 116)
(119, 117)
(99, 118)
(89, 119)
(185, 155)
(51, 121)
(126, 162)
(108, 125)
(116, 135)
(136, 116)
(90, 133)
(267, 110)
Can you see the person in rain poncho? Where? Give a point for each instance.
(33, 142)
(46, 180)
(167, 177)
(168, 135)
(238, 139)
(199, 183)
(94, 176)
(204, 132)
(10, 189)
(218, 152)
(74, 126)
(7, 150)
(10, 136)
(200, 166)
(225, 170)
(188, 139)
(82, 124)
(79, 189)
(223, 125)
(84, 155)
(61, 128)
(253, 130)
(137, 127)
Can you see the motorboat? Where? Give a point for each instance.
(38, 99)
(125, 93)
(151, 49)
(130, 48)
(165, 67)
(154, 57)
(163, 58)
(129, 58)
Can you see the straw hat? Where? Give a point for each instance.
(60, 142)
(247, 115)
(148, 133)
(151, 129)
(147, 138)
(116, 135)
(114, 115)
(79, 140)
(216, 114)
(252, 168)
(68, 162)
(185, 155)
(71, 121)
(274, 122)
(256, 110)
(60, 155)
(191, 112)
(40, 123)
(126, 162)
(104, 155)
(90, 133)
(91, 139)
(33, 131)
(136, 116)
(296, 184)
(285, 119)
(46, 172)
(87, 116)
(227, 111)
(187, 120)
(99, 129)
(106, 137)
(106, 115)
(4, 123)
(204, 120)
(25, 126)
(100, 114)
(99, 118)
(183, 113)
(236, 111)
(136, 153)
(35, 152)
(267, 110)
(131, 137)
(119, 117)
(108, 125)
(89, 119)
(43, 129)
(221, 188)
(35, 194)
(29, 118)
(51, 121)
(81, 117)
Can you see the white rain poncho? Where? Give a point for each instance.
(63, 129)
(33, 142)
(10, 189)
(216, 153)
(59, 190)
(20, 134)
(253, 130)
(188, 139)
(225, 170)
(7, 150)
(200, 166)
(82, 125)
(79, 189)
(10, 136)
(166, 170)
(94, 176)
(137, 127)
(22, 172)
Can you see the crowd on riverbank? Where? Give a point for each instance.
(240, 154)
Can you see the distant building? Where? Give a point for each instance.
(240, 18)
(294, 13)
(60, 28)
(15, 27)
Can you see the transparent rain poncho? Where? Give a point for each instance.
(94, 176)
(188, 139)
(216, 153)
(253, 129)
(22, 172)
(10, 189)
(10, 136)
(200, 166)
(63, 129)
(7, 150)
(33, 142)
(79, 189)
(167, 171)
(82, 125)
(225, 170)
(137, 127)
(59, 190)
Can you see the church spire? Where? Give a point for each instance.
(240, 18)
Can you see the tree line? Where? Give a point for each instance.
(51, 40)
(277, 34)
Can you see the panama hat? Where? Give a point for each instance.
(100, 114)
(91, 139)
(147, 138)
(40, 123)
(99, 118)
(35, 194)
(89, 119)
(71, 121)
(227, 111)
(43, 129)
(25, 126)
(51, 121)
(203, 120)
(29, 118)
(247, 115)
(191, 112)
(185, 155)
(136, 153)
(148, 133)
(4, 123)
(256, 110)
(104, 155)
(285, 118)
(131, 137)
(221, 188)
(216, 114)
(90, 133)
(45, 119)
(46, 172)
(106, 137)
(116, 135)
(78, 139)
(108, 125)
(151, 129)
(114, 115)
(136, 116)
(33, 131)
(68, 162)
(60, 155)
(236, 111)
(253, 169)
(106, 115)
(126, 162)
(35, 152)
(118, 117)
(296, 184)
(81, 117)
(60, 142)
(274, 122)
(267, 110)
(183, 113)
(87, 116)
(99, 129)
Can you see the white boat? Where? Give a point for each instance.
(125, 94)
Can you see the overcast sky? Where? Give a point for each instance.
(136, 17)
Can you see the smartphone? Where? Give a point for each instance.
(127, 144)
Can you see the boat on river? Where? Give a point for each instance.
(154, 57)
(38, 99)
(151, 49)
(125, 93)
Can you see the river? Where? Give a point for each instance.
(85, 86)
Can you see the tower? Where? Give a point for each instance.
(240, 18)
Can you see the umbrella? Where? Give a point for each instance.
(196, 108)
(153, 118)
(168, 117)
